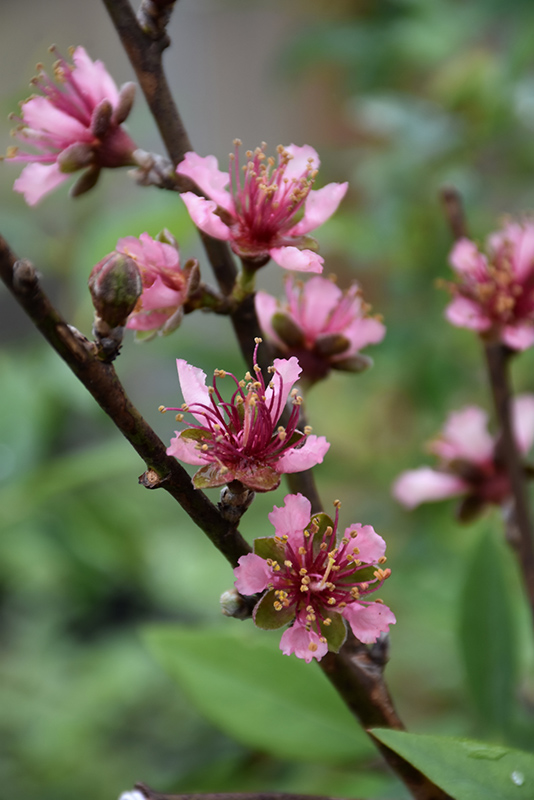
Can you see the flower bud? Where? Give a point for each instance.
(115, 285)
(233, 605)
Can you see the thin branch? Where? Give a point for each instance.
(454, 211)
(497, 361)
(150, 794)
(101, 381)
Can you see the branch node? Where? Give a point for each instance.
(25, 276)
(151, 480)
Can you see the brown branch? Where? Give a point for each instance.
(497, 361)
(454, 211)
(101, 381)
(150, 794)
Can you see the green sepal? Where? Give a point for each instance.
(210, 477)
(268, 547)
(362, 575)
(335, 633)
(260, 479)
(195, 433)
(267, 617)
(356, 363)
(331, 344)
(288, 330)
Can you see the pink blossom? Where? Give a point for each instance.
(315, 582)
(164, 283)
(495, 292)
(75, 124)
(322, 325)
(240, 439)
(268, 213)
(469, 463)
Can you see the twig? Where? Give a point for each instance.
(150, 794)
(454, 211)
(497, 361)
(101, 381)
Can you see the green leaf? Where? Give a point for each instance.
(487, 633)
(267, 617)
(466, 769)
(243, 684)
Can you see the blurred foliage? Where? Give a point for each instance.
(408, 95)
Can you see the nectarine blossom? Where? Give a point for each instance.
(75, 124)
(322, 325)
(240, 439)
(470, 464)
(267, 213)
(495, 292)
(314, 581)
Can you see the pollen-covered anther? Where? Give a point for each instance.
(312, 647)
(281, 433)
(364, 587)
(278, 605)
(304, 588)
(162, 409)
(301, 551)
(179, 417)
(327, 621)
(355, 593)
(219, 373)
(381, 574)
(303, 571)
(382, 560)
(308, 429)
(379, 601)
(305, 580)
(323, 546)
(331, 601)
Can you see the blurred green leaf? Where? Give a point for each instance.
(487, 633)
(466, 769)
(244, 685)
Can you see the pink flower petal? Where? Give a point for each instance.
(424, 485)
(287, 373)
(202, 212)
(466, 258)
(185, 450)
(266, 306)
(362, 332)
(298, 260)
(205, 172)
(300, 160)
(371, 546)
(40, 114)
(466, 313)
(319, 298)
(193, 385)
(368, 621)
(320, 205)
(519, 336)
(36, 180)
(92, 79)
(291, 519)
(305, 644)
(523, 421)
(252, 575)
(465, 436)
(148, 320)
(309, 455)
(159, 296)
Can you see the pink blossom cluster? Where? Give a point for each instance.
(495, 291)
(315, 582)
(470, 465)
(74, 124)
(241, 439)
(270, 211)
(322, 325)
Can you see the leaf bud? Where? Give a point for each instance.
(115, 285)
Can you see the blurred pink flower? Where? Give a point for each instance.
(322, 325)
(314, 581)
(240, 439)
(469, 463)
(160, 306)
(270, 212)
(75, 124)
(495, 292)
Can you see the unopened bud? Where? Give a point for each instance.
(166, 237)
(331, 344)
(233, 605)
(191, 270)
(124, 106)
(288, 330)
(101, 119)
(115, 285)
